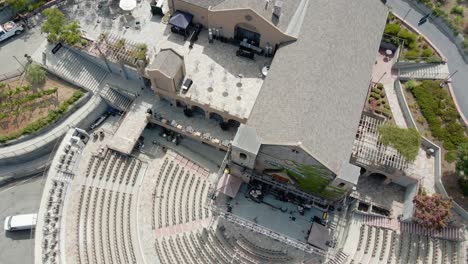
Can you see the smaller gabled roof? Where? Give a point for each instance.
(247, 139)
(167, 61)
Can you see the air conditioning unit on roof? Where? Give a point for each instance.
(277, 8)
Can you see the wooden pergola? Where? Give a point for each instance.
(369, 152)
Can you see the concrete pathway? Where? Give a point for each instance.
(444, 44)
(382, 72)
(394, 105)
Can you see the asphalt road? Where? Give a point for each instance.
(17, 46)
(19, 198)
(445, 45)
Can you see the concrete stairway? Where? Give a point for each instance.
(115, 98)
(339, 258)
(425, 72)
(75, 69)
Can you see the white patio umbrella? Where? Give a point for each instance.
(127, 5)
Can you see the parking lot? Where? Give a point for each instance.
(18, 198)
(12, 50)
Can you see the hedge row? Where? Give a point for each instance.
(28, 98)
(440, 112)
(52, 117)
(12, 92)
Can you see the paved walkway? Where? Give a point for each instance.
(445, 45)
(382, 72)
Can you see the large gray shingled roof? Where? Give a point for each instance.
(266, 11)
(316, 88)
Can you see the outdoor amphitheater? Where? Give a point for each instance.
(156, 208)
(118, 208)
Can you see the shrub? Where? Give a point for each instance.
(120, 43)
(434, 59)
(411, 84)
(412, 54)
(440, 113)
(457, 10)
(407, 36)
(392, 29)
(58, 28)
(462, 159)
(18, 5)
(84, 42)
(140, 52)
(463, 183)
(375, 95)
(405, 141)
(450, 156)
(432, 212)
(35, 74)
(426, 53)
(439, 12)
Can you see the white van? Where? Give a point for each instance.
(20, 222)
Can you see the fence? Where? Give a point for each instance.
(11, 74)
(427, 144)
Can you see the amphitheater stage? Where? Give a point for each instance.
(265, 214)
(131, 128)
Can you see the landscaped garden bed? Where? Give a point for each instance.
(453, 11)
(27, 106)
(377, 102)
(414, 47)
(437, 118)
(116, 49)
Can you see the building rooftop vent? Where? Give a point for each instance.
(277, 8)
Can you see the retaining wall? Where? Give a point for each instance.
(427, 144)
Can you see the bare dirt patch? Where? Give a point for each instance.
(22, 115)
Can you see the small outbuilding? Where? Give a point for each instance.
(166, 71)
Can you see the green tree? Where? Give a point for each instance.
(71, 33)
(35, 74)
(462, 167)
(54, 23)
(58, 28)
(432, 212)
(406, 141)
(18, 5)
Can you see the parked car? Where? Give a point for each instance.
(10, 29)
(186, 85)
(100, 120)
(20, 222)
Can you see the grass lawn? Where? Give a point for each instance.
(24, 105)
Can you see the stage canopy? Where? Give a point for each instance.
(229, 185)
(319, 235)
(181, 19)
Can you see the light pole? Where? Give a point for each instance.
(446, 80)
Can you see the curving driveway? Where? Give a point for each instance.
(445, 45)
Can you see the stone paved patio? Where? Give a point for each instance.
(389, 196)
